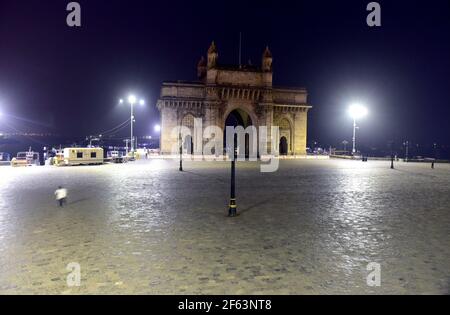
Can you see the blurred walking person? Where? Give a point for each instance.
(61, 196)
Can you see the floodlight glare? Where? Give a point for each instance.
(357, 111)
(157, 128)
(132, 99)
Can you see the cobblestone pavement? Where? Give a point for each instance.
(144, 227)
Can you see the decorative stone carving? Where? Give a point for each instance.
(224, 88)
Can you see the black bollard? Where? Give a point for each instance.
(392, 162)
(181, 159)
(432, 164)
(232, 209)
(181, 156)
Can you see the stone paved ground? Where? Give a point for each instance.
(312, 227)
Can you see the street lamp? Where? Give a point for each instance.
(132, 100)
(181, 153)
(406, 144)
(356, 111)
(232, 207)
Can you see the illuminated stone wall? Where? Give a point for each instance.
(221, 89)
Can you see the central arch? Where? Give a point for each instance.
(187, 142)
(238, 117)
(286, 134)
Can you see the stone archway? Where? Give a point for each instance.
(286, 133)
(283, 148)
(238, 117)
(243, 109)
(187, 143)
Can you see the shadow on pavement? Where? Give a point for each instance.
(77, 201)
(254, 205)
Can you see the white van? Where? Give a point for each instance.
(82, 156)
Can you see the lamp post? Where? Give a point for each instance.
(126, 146)
(406, 143)
(181, 153)
(391, 145)
(435, 155)
(356, 111)
(233, 208)
(132, 100)
(345, 142)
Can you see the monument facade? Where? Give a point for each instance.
(234, 95)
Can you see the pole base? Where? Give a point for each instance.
(232, 210)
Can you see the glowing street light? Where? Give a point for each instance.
(157, 128)
(356, 111)
(132, 100)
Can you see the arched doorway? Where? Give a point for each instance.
(188, 145)
(283, 146)
(238, 117)
(285, 137)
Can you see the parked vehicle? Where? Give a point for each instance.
(59, 157)
(117, 156)
(29, 158)
(82, 156)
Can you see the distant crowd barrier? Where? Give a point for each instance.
(373, 158)
(194, 157)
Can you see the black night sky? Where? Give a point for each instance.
(68, 80)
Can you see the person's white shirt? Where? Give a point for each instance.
(60, 193)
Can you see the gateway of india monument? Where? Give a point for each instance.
(230, 96)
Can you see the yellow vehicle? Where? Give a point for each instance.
(28, 158)
(82, 156)
(59, 157)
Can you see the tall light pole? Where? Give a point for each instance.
(356, 111)
(232, 210)
(181, 153)
(132, 100)
(406, 143)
